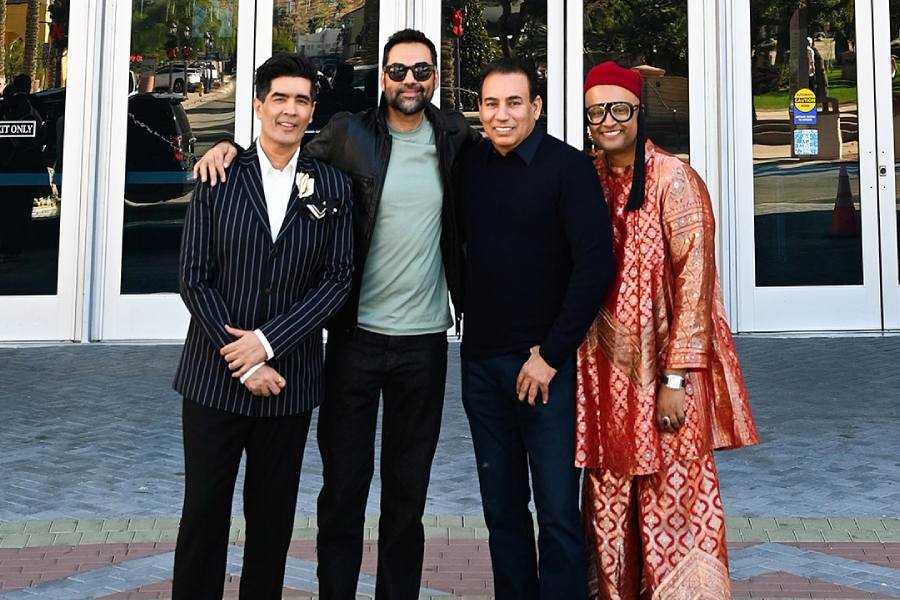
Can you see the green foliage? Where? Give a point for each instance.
(830, 16)
(477, 49)
(653, 32)
(15, 54)
(151, 19)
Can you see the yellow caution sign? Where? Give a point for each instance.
(805, 100)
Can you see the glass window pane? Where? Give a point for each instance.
(33, 73)
(488, 30)
(805, 143)
(181, 101)
(651, 36)
(342, 39)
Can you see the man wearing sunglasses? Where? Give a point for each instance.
(659, 383)
(389, 340)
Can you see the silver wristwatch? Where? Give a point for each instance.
(673, 382)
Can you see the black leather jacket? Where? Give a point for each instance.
(360, 146)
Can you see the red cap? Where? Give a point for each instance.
(609, 73)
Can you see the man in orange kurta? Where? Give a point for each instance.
(659, 383)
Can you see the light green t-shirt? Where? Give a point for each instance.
(404, 290)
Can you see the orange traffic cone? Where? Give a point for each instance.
(844, 221)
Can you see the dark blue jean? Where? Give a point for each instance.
(509, 437)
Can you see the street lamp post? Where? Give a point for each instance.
(185, 54)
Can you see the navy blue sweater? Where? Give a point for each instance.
(538, 248)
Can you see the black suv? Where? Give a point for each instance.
(160, 158)
(160, 152)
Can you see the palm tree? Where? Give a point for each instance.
(32, 18)
(2, 44)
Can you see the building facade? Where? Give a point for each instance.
(787, 108)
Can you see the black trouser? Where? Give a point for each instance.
(409, 372)
(214, 441)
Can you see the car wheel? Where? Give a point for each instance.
(178, 87)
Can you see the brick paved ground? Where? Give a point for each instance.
(90, 478)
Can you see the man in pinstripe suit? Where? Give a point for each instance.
(266, 260)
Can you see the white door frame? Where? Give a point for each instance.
(120, 316)
(887, 187)
(58, 317)
(804, 308)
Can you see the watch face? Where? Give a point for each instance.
(674, 382)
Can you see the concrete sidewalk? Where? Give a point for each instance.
(90, 456)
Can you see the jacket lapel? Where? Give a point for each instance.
(293, 206)
(251, 179)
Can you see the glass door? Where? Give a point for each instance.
(470, 35)
(343, 39)
(807, 165)
(44, 115)
(183, 82)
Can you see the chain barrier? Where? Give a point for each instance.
(156, 134)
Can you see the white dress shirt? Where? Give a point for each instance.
(277, 187)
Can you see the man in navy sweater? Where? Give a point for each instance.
(539, 261)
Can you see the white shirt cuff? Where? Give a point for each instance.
(270, 354)
(250, 372)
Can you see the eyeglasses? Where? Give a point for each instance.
(421, 71)
(621, 112)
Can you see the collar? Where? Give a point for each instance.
(527, 148)
(265, 165)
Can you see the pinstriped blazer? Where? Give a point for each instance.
(231, 272)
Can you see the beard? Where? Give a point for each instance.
(411, 106)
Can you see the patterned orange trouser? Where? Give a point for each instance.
(656, 537)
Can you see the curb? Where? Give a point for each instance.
(125, 530)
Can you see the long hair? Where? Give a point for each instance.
(639, 177)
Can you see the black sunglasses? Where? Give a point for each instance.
(621, 112)
(421, 71)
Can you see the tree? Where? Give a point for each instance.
(2, 44)
(476, 49)
(32, 21)
(653, 32)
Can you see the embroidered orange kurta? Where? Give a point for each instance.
(664, 310)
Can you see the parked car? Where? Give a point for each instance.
(160, 157)
(207, 69)
(172, 77)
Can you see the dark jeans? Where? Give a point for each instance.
(214, 441)
(409, 372)
(509, 437)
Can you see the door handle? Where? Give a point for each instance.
(882, 170)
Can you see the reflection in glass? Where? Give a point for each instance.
(651, 36)
(33, 73)
(895, 93)
(181, 101)
(805, 146)
(474, 33)
(341, 38)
